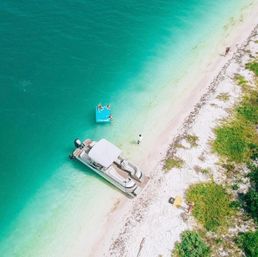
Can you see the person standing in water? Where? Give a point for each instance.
(139, 139)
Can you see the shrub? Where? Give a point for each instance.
(240, 80)
(237, 139)
(192, 140)
(250, 199)
(249, 112)
(235, 204)
(249, 243)
(205, 171)
(253, 66)
(179, 145)
(235, 186)
(233, 141)
(212, 204)
(191, 245)
(253, 175)
(174, 162)
(254, 151)
(248, 107)
(250, 203)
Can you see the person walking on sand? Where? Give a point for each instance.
(227, 50)
(139, 139)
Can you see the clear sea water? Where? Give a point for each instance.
(58, 60)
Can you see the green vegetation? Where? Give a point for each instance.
(235, 186)
(234, 140)
(191, 245)
(253, 66)
(179, 145)
(249, 243)
(237, 142)
(212, 204)
(192, 140)
(248, 108)
(253, 176)
(237, 139)
(223, 97)
(173, 162)
(248, 111)
(250, 199)
(240, 80)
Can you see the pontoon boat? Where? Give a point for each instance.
(105, 158)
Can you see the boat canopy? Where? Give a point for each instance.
(104, 153)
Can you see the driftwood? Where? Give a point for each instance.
(140, 248)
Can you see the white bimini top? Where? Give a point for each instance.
(104, 153)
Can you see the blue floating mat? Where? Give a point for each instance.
(103, 114)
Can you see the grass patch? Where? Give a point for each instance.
(234, 141)
(212, 204)
(192, 140)
(237, 138)
(248, 108)
(253, 66)
(179, 145)
(240, 80)
(205, 171)
(191, 245)
(249, 243)
(174, 162)
(223, 97)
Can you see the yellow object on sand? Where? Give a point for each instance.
(178, 201)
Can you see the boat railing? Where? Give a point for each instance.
(95, 165)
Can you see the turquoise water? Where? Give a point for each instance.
(58, 60)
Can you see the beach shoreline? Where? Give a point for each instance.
(187, 109)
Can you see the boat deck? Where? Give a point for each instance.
(126, 175)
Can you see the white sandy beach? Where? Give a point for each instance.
(148, 225)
